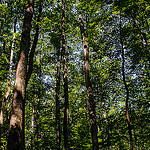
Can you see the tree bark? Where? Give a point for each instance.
(16, 133)
(65, 129)
(126, 88)
(58, 138)
(29, 73)
(92, 113)
(30, 69)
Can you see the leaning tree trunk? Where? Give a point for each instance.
(126, 88)
(65, 129)
(92, 114)
(16, 133)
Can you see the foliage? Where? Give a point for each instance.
(101, 20)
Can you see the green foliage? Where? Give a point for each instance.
(102, 28)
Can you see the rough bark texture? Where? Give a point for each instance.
(65, 129)
(92, 113)
(58, 138)
(16, 133)
(127, 90)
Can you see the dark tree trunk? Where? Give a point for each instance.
(92, 113)
(126, 88)
(16, 133)
(30, 69)
(65, 129)
(58, 138)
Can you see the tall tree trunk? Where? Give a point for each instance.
(30, 70)
(9, 79)
(32, 52)
(58, 138)
(92, 113)
(126, 88)
(66, 111)
(16, 133)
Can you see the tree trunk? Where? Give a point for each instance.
(9, 80)
(126, 88)
(30, 69)
(38, 109)
(65, 129)
(16, 133)
(32, 125)
(37, 124)
(107, 136)
(143, 36)
(92, 113)
(58, 138)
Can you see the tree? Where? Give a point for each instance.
(126, 87)
(65, 80)
(58, 132)
(16, 133)
(116, 68)
(92, 114)
(5, 97)
(58, 101)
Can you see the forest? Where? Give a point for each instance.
(74, 74)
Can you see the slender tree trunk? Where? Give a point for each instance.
(107, 131)
(16, 133)
(30, 69)
(65, 129)
(38, 109)
(92, 113)
(58, 138)
(9, 80)
(143, 36)
(32, 125)
(10, 74)
(37, 124)
(126, 88)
